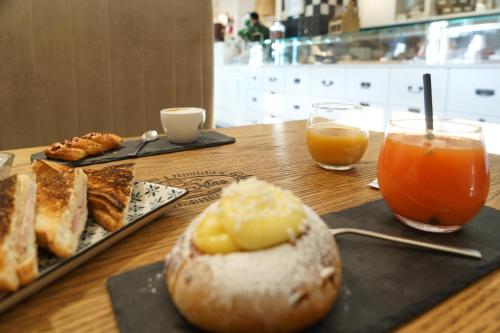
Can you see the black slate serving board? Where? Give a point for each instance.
(384, 284)
(159, 146)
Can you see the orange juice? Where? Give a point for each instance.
(336, 145)
(442, 181)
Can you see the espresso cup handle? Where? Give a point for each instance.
(202, 121)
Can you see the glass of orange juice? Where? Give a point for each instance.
(336, 135)
(433, 181)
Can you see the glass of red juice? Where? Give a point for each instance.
(435, 180)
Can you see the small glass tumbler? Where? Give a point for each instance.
(336, 135)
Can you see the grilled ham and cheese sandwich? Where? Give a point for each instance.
(18, 251)
(61, 210)
(109, 192)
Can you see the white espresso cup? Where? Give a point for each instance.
(182, 125)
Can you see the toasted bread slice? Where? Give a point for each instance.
(18, 252)
(61, 211)
(109, 192)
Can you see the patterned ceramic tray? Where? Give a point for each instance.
(148, 202)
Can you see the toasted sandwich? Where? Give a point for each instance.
(61, 207)
(18, 252)
(109, 192)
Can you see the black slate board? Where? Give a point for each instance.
(160, 146)
(383, 284)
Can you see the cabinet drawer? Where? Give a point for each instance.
(406, 87)
(402, 112)
(420, 110)
(474, 91)
(367, 84)
(274, 79)
(254, 78)
(298, 80)
(254, 100)
(374, 114)
(273, 103)
(474, 117)
(297, 107)
(328, 83)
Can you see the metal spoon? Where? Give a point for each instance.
(146, 137)
(471, 253)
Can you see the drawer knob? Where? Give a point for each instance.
(366, 85)
(273, 79)
(482, 120)
(416, 90)
(364, 104)
(327, 83)
(414, 110)
(254, 99)
(485, 92)
(254, 77)
(296, 80)
(296, 107)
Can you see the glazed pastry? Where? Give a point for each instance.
(78, 148)
(258, 260)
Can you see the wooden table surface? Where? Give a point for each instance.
(79, 302)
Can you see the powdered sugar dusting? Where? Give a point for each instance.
(282, 270)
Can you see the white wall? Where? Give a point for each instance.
(236, 8)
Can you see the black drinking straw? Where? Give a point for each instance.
(428, 102)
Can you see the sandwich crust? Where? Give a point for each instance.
(7, 200)
(53, 184)
(61, 211)
(18, 253)
(109, 192)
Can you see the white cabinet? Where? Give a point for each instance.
(407, 92)
(374, 114)
(251, 95)
(254, 78)
(254, 103)
(482, 118)
(226, 98)
(475, 92)
(367, 84)
(298, 80)
(274, 104)
(274, 79)
(328, 84)
(297, 107)
(254, 100)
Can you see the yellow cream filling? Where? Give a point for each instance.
(251, 215)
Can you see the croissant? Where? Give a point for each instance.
(78, 148)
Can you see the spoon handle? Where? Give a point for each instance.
(471, 253)
(137, 150)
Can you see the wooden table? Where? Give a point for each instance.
(275, 153)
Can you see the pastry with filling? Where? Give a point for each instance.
(257, 260)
